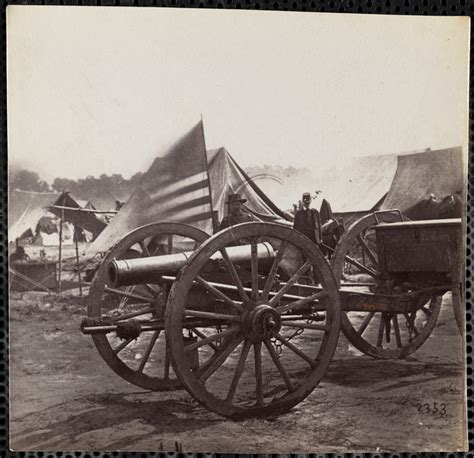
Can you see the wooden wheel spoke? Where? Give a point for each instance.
(396, 330)
(219, 359)
(273, 270)
(295, 277)
(258, 372)
(254, 267)
(365, 323)
(371, 255)
(212, 316)
(316, 327)
(148, 350)
(388, 330)
(167, 364)
(145, 252)
(296, 350)
(381, 330)
(129, 295)
(203, 336)
(155, 247)
(234, 275)
(208, 340)
(218, 294)
(279, 366)
(170, 243)
(239, 369)
(302, 302)
(122, 345)
(361, 267)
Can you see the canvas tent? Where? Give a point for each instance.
(438, 173)
(227, 177)
(359, 186)
(25, 210)
(392, 181)
(185, 184)
(30, 218)
(86, 204)
(84, 220)
(104, 201)
(30, 215)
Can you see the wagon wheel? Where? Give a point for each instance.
(458, 295)
(275, 346)
(381, 335)
(143, 361)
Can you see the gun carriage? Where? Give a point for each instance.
(248, 320)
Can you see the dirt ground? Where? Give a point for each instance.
(64, 397)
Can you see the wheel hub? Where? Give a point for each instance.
(261, 323)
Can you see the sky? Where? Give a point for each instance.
(105, 90)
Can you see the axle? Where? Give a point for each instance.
(148, 270)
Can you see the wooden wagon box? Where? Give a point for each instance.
(419, 246)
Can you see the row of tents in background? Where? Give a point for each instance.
(189, 184)
(35, 217)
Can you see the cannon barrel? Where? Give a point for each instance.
(148, 270)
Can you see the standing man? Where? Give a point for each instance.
(307, 220)
(235, 214)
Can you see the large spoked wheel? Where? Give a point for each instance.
(264, 343)
(458, 296)
(378, 334)
(143, 361)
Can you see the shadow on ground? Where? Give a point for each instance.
(363, 372)
(111, 411)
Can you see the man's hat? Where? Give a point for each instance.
(235, 198)
(306, 195)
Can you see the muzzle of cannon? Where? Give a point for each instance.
(129, 272)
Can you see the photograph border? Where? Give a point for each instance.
(385, 7)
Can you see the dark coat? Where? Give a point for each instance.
(308, 223)
(231, 220)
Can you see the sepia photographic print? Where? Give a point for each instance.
(236, 231)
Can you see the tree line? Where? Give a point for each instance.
(114, 184)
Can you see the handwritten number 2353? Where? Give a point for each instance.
(433, 409)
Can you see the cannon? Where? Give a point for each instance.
(248, 320)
